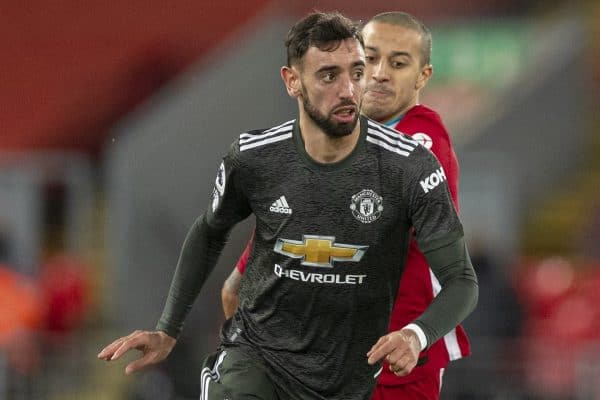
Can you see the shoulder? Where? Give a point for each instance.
(424, 125)
(261, 138)
(249, 144)
(402, 148)
(389, 139)
(421, 114)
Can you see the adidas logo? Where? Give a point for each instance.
(281, 206)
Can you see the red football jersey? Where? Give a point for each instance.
(419, 286)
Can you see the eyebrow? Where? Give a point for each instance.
(327, 68)
(394, 53)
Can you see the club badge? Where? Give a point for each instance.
(366, 206)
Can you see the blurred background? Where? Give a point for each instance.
(114, 117)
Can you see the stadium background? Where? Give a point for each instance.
(113, 121)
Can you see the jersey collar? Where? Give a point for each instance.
(299, 142)
(393, 122)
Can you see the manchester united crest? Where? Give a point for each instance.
(366, 206)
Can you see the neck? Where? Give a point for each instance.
(323, 148)
(414, 101)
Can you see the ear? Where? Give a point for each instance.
(291, 79)
(424, 76)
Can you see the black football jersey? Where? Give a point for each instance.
(329, 249)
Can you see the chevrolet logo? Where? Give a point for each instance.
(319, 251)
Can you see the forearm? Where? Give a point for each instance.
(452, 266)
(199, 254)
(230, 302)
(230, 293)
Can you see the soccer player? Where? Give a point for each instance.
(335, 197)
(398, 52)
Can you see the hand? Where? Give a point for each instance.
(155, 347)
(401, 350)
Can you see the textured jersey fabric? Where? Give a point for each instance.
(329, 248)
(419, 285)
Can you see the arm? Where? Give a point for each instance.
(199, 254)
(452, 266)
(231, 286)
(439, 234)
(229, 293)
(440, 237)
(201, 249)
(458, 297)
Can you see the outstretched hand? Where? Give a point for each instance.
(154, 345)
(399, 348)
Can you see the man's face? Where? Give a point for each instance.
(394, 71)
(332, 85)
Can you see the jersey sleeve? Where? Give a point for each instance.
(442, 149)
(229, 203)
(439, 234)
(426, 126)
(430, 206)
(203, 244)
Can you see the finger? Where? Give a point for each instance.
(380, 342)
(140, 363)
(404, 366)
(393, 357)
(392, 342)
(402, 371)
(106, 352)
(132, 343)
(396, 368)
(382, 351)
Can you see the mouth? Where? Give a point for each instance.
(344, 114)
(379, 92)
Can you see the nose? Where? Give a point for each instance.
(380, 72)
(347, 88)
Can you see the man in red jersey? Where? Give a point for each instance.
(398, 49)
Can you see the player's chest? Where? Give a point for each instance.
(359, 198)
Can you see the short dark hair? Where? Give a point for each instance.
(322, 30)
(410, 22)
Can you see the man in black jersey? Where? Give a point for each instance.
(335, 197)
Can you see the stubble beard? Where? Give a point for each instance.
(326, 123)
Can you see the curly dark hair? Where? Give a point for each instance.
(322, 30)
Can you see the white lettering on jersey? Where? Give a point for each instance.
(433, 180)
(315, 277)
